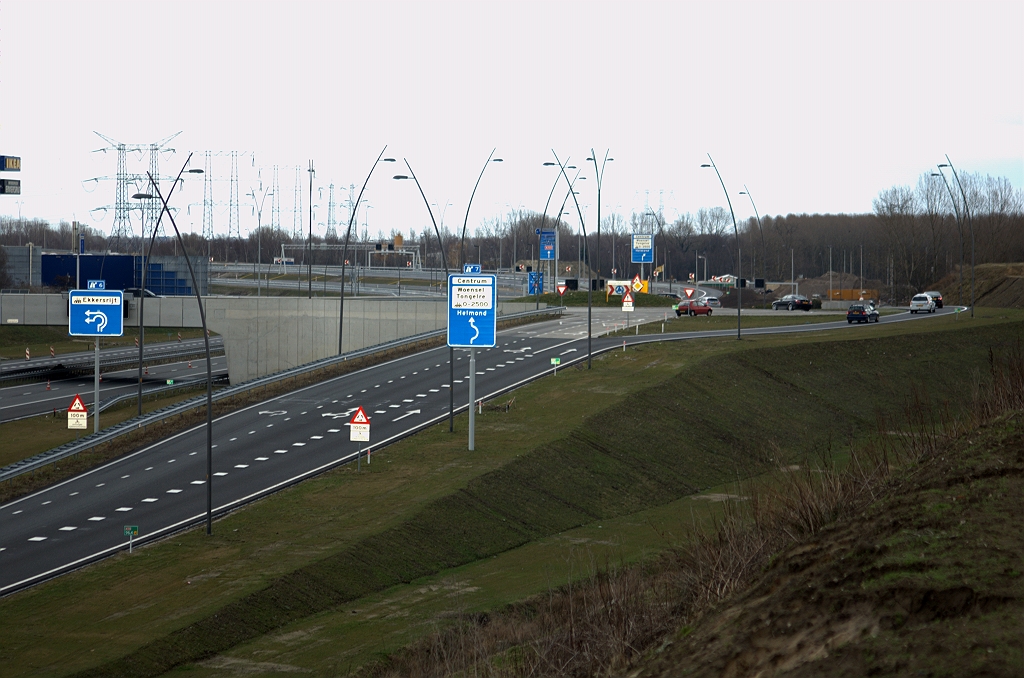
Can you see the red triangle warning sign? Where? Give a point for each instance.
(77, 405)
(627, 298)
(689, 292)
(360, 417)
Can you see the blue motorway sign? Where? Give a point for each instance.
(536, 282)
(642, 248)
(472, 311)
(96, 314)
(471, 268)
(97, 285)
(547, 245)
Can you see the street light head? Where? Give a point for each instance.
(570, 167)
(936, 174)
(744, 193)
(142, 196)
(196, 170)
(387, 159)
(705, 165)
(399, 177)
(498, 160)
(943, 165)
(550, 164)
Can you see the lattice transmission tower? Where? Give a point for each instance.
(275, 212)
(332, 233)
(297, 206)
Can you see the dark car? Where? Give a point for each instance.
(792, 302)
(691, 308)
(861, 313)
(936, 297)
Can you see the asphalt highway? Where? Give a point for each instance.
(276, 443)
(152, 351)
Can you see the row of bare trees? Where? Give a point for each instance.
(914, 237)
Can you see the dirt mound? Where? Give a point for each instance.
(995, 285)
(927, 582)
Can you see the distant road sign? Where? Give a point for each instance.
(642, 248)
(359, 427)
(10, 186)
(627, 301)
(536, 282)
(471, 268)
(97, 284)
(472, 311)
(561, 289)
(10, 163)
(96, 314)
(131, 530)
(77, 414)
(547, 245)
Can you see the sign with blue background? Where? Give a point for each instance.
(547, 245)
(642, 248)
(96, 314)
(536, 282)
(97, 285)
(472, 311)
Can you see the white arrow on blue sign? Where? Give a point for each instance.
(472, 311)
(96, 314)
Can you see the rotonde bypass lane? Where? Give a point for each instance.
(162, 488)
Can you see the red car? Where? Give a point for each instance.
(693, 307)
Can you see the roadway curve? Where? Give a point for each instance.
(263, 448)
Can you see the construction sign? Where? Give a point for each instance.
(77, 414)
(359, 427)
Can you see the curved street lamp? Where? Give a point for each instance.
(599, 173)
(462, 241)
(348, 233)
(739, 260)
(590, 288)
(764, 250)
(444, 262)
(970, 222)
(259, 233)
(959, 228)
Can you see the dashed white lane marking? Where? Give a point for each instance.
(415, 372)
(68, 528)
(336, 430)
(426, 369)
(241, 466)
(101, 485)
(363, 391)
(48, 501)
(393, 406)
(376, 385)
(435, 390)
(171, 461)
(391, 381)
(446, 385)
(173, 491)
(213, 446)
(198, 482)
(124, 476)
(458, 381)
(421, 395)
(316, 437)
(270, 425)
(192, 454)
(518, 358)
(349, 395)
(380, 411)
(298, 444)
(319, 407)
(73, 494)
(150, 468)
(500, 365)
(301, 413)
(262, 458)
(407, 400)
(402, 377)
(97, 518)
(122, 509)
(280, 451)
(251, 432)
(334, 402)
(3, 548)
(220, 473)
(489, 369)
(149, 500)
(287, 418)
(37, 538)
(233, 440)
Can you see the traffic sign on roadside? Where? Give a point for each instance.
(627, 301)
(97, 284)
(472, 311)
(642, 250)
(77, 414)
(561, 289)
(359, 427)
(131, 530)
(96, 314)
(471, 268)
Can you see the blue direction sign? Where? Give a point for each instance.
(472, 311)
(536, 282)
(471, 268)
(96, 314)
(547, 245)
(97, 285)
(642, 248)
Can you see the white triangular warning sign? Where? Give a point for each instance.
(77, 405)
(627, 298)
(689, 292)
(360, 417)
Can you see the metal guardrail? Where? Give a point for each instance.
(94, 439)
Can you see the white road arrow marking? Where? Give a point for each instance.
(407, 414)
(274, 413)
(336, 415)
(571, 350)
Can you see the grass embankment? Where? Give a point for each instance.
(14, 339)
(706, 414)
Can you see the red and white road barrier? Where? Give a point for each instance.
(51, 351)
(179, 337)
(28, 356)
(47, 384)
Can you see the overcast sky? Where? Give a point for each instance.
(814, 106)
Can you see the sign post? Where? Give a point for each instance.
(359, 431)
(96, 314)
(472, 323)
(131, 531)
(77, 414)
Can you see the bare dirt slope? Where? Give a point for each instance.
(927, 582)
(995, 285)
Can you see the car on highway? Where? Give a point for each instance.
(792, 302)
(692, 308)
(936, 297)
(713, 302)
(861, 313)
(922, 303)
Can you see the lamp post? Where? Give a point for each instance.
(764, 250)
(348, 233)
(444, 262)
(462, 241)
(959, 228)
(599, 173)
(739, 260)
(209, 360)
(309, 240)
(259, 232)
(970, 222)
(544, 216)
(590, 288)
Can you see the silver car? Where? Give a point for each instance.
(922, 303)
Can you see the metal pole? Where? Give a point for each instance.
(472, 399)
(309, 241)
(96, 389)
(736, 230)
(465, 221)
(970, 223)
(959, 228)
(590, 291)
